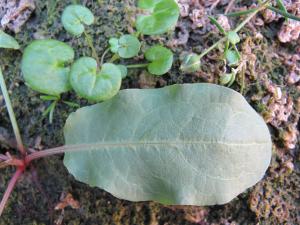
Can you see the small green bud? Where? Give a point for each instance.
(225, 78)
(232, 57)
(233, 37)
(190, 63)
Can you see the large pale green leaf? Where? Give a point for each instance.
(192, 144)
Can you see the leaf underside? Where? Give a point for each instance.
(191, 144)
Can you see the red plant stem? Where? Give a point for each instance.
(54, 151)
(10, 188)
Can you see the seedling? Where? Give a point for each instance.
(163, 16)
(160, 58)
(192, 62)
(92, 84)
(90, 78)
(46, 66)
(75, 17)
(127, 46)
(74, 20)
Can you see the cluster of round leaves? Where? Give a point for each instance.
(48, 65)
(52, 72)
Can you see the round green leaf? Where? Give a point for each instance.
(92, 84)
(74, 17)
(7, 41)
(123, 69)
(233, 37)
(129, 46)
(161, 60)
(164, 16)
(114, 44)
(232, 57)
(44, 66)
(190, 63)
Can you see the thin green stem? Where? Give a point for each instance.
(137, 66)
(89, 41)
(103, 56)
(240, 13)
(281, 5)
(238, 28)
(11, 114)
(50, 111)
(285, 14)
(206, 51)
(217, 24)
(71, 104)
(242, 24)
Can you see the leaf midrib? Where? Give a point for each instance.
(128, 144)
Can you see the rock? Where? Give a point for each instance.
(14, 13)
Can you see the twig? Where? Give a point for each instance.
(214, 5)
(89, 41)
(9, 189)
(3, 157)
(229, 6)
(103, 56)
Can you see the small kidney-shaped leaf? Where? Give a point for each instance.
(164, 16)
(44, 66)
(161, 60)
(127, 46)
(95, 85)
(75, 17)
(191, 144)
(7, 41)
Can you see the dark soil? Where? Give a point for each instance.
(274, 200)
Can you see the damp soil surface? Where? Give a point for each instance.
(266, 82)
